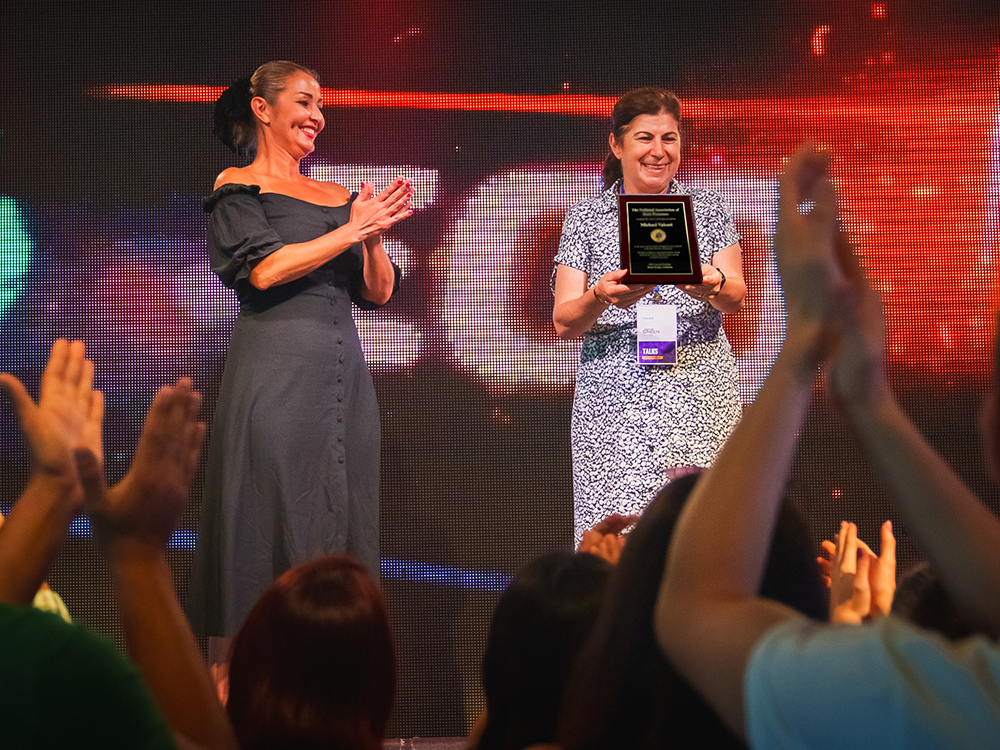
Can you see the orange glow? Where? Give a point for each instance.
(819, 40)
(556, 104)
(908, 202)
(560, 104)
(878, 10)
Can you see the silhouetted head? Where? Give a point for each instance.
(623, 692)
(921, 599)
(537, 628)
(313, 665)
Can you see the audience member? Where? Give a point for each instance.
(772, 675)
(607, 538)
(64, 686)
(922, 600)
(48, 600)
(622, 692)
(538, 626)
(313, 665)
(862, 584)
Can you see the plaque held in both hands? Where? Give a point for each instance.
(658, 240)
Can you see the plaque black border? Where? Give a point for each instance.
(694, 277)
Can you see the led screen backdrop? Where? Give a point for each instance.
(500, 116)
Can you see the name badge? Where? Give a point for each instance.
(656, 326)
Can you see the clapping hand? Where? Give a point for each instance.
(66, 420)
(606, 539)
(67, 416)
(862, 584)
(814, 258)
(373, 214)
(142, 511)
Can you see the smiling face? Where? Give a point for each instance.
(650, 152)
(292, 122)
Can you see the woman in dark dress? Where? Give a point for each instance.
(293, 462)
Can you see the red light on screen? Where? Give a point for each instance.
(819, 40)
(554, 104)
(914, 212)
(878, 10)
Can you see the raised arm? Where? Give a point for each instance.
(132, 524)
(959, 535)
(67, 416)
(708, 617)
(369, 218)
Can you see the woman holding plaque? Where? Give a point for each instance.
(636, 425)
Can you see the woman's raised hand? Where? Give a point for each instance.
(373, 214)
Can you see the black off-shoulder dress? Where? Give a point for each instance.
(293, 460)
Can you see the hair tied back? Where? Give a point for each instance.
(233, 116)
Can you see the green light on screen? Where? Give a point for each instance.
(15, 252)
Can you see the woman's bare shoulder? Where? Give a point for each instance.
(235, 176)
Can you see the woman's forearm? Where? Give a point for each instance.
(34, 534)
(296, 260)
(159, 640)
(730, 299)
(379, 276)
(575, 316)
(956, 531)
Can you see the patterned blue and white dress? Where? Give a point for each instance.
(632, 423)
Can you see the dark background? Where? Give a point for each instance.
(102, 238)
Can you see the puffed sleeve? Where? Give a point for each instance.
(573, 249)
(714, 222)
(239, 236)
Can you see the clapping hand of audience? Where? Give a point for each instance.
(862, 584)
(815, 259)
(606, 539)
(882, 573)
(68, 414)
(66, 419)
(847, 574)
(141, 512)
(132, 524)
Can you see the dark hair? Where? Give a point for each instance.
(233, 121)
(538, 625)
(623, 692)
(921, 599)
(313, 665)
(649, 100)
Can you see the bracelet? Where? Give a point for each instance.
(598, 297)
(716, 294)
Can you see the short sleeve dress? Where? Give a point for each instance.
(293, 459)
(631, 423)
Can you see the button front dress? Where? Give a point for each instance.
(632, 423)
(293, 461)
